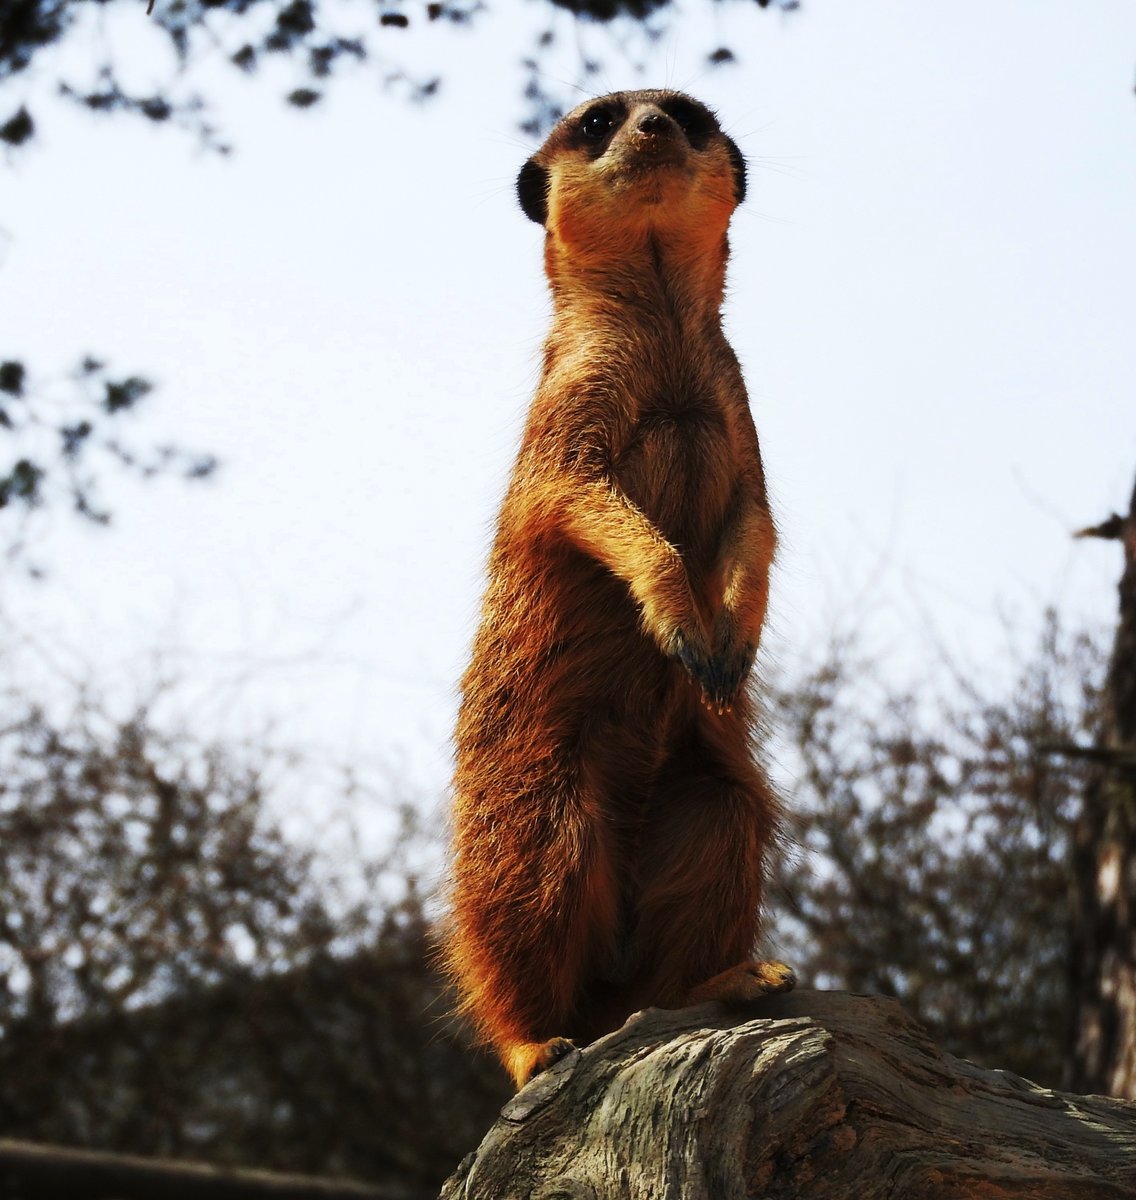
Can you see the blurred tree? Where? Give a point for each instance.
(933, 841)
(1103, 963)
(177, 978)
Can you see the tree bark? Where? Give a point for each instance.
(814, 1094)
(1102, 1039)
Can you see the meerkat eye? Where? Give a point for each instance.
(596, 124)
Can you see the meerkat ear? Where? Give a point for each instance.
(739, 165)
(532, 191)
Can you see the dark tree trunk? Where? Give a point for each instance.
(35, 1172)
(1102, 1054)
(814, 1094)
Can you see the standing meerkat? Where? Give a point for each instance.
(610, 820)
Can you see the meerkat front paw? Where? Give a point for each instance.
(721, 672)
(731, 661)
(694, 659)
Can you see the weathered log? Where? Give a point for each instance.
(822, 1095)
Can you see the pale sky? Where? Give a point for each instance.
(931, 291)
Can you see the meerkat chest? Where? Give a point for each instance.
(678, 464)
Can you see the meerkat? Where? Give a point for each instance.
(610, 820)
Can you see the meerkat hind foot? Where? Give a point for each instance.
(528, 1059)
(745, 982)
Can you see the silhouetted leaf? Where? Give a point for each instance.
(201, 468)
(296, 18)
(12, 378)
(126, 394)
(156, 108)
(245, 58)
(18, 128)
(21, 484)
(75, 437)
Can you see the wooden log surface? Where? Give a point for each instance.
(822, 1095)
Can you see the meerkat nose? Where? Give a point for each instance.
(653, 122)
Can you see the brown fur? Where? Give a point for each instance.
(610, 821)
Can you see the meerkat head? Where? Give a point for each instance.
(646, 161)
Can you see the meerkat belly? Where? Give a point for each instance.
(678, 469)
(561, 643)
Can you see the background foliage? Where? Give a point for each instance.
(180, 978)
